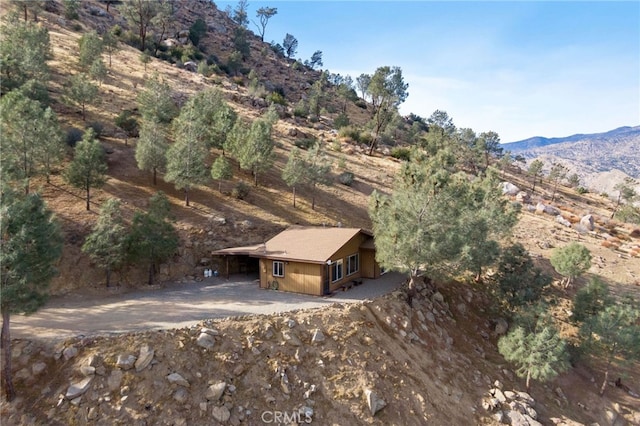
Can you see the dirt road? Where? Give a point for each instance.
(177, 306)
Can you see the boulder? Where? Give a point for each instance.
(562, 221)
(215, 391)
(509, 189)
(206, 341)
(114, 380)
(290, 337)
(87, 370)
(220, 413)
(588, 222)
(78, 389)
(125, 361)
(69, 352)
(177, 379)
(544, 208)
(502, 326)
(38, 368)
(523, 197)
(374, 402)
(145, 358)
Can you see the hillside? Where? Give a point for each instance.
(432, 363)
(592, 156)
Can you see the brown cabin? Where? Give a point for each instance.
(310, 260)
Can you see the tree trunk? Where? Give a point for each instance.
(186, 197)
(155, 172)
(83, 117)
(6, 353)
(528, 380)
(478, 277)
(294, 197)
(151, 268)
(604, 382)
(108, 276)
(88, 207)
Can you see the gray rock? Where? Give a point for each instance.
(515, 418)
(206, 341)
(69, 352)
(125, 361)
(221, 414)
(78, 389)
(526, 398)
(177, 379)
(374, 402)
(291, 323)
(87, 370)
(498, 394)
(181, 395)
(509, 189)
(215, 391)
(438, 297)
(430, 316)
(210, 331)
(523, 197)
(562, 221)
(92, 414)
(290, 337)
(145, 358)
(502, 326)
(114, 380)
(510, 394)
(588, 222)
(318, 336)
(38, 368)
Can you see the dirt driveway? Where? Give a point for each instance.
(177, 306)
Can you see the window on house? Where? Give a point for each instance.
(278, 269)
(353, 264)
(336, 270)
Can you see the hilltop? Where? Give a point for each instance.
(433, 363)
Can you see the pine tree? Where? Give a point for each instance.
(571, 261)
(618, 335)
(24, 49)
(152, 146)
(153, 239)
(106, 243)
(540, 354)
(293, 172)
(155, 101)
(317, 171)
(90, 45)
(535, 171)
(556, 175)
(221, 170)
(31, 141)
(255, 152)
(88, 168)
(214, 116)
(186, 157)
(31, 245)
(82, 92)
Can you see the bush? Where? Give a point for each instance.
(276, 98)
(301, 109)
(126, 121)
(240, 191)
(73, 136)
(582, 190)
(305, 143)
(346, 178)
(628, 214)
(212, 59)
(342, 120)
(97, 127)
(350, 132)
(361, 103)
(205, 69)
(401, 153)
(297, 66)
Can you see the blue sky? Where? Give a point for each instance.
(519, 68)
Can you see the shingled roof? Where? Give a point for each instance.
(310, 244)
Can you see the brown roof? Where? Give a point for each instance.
(297, 243)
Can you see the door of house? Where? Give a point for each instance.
(325, 284)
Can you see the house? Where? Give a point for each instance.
(310, 260)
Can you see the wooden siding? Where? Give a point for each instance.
(369, 268)
(298, 277)
(351, 247)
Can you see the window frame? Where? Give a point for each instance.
(350, 261)
(337, 265)
(274, 272)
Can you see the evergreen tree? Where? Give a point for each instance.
(571, 261)
(31, 244)
(317, 171)
(153, 239)
(539, 354)
(535, 171)
(293, 172)
(152, 146)
(139, 14)
(556, 175)
(31, 141)
(88, 168)
(214, 116)
(255, 152)
(110, 43)
(221, 170)
(155, 102)
(24, 51)
(290, 45)
(264, 14)
(81, 91)
(618, 335)
(590, 300)
(90, 45)
(106, 243)
(626, 191)
(186, 157)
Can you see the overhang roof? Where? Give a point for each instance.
(309, 244)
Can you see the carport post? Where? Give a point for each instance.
(227, 263)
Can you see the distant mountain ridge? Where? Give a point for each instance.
(617, 149)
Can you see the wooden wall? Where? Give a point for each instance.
(298, 277)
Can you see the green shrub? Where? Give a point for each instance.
(240, 191)
(342, 120)
(127, 122)
(361, 103)
(305, 143)
(628, 214)
(73, 136)
(276, 98)
(297, 66)
(401, 153)
(350, 132)
(212, 59)
(337, 147)
(346, 178)
(301, 109)
(97, 127)
(582, 190)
